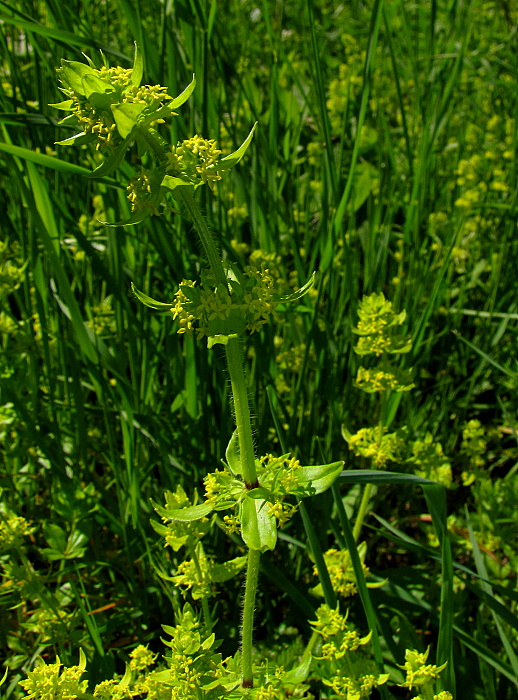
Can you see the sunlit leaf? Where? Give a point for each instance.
(258, 526)
(148, 301)
(299, 293)
(232, 159)
(183, 515)
(183, 96)
(138, 68)
(126, 115)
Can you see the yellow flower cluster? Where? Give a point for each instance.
(341, 572)
(180, 310)
(418, 672)
(376, 319)
(250, 305)
(100, 122)
(191, 160)
(46, 683)
(285, 469)
(13, 529)
(381, 449)
(489, 148)
(372, 380)
(139, 190)
(141, 658)
(430, 461)
(283, 511)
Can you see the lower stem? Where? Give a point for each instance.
(244, 431)
(252, 574)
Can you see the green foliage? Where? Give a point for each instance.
(384, 158)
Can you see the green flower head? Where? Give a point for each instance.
(112, 111)
(107, 103)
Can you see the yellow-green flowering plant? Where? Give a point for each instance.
(114, 112)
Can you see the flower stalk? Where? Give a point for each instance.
(244, 431)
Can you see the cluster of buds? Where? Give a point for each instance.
(113, 111)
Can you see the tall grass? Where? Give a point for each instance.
(354, 173)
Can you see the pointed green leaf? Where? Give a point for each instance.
(183, 96)
(299, 293)
(138, 68)
(72, 73)
(234, 158)
(66, 104)
(69, 120)
(372, 476)
(89, 60)
(183, 515)
(148, 301)
(172, 182)
(318, 479)
(137, 216)
(232, 455)
(299, 673)
(77, 140)
(43, 159)
(161, 113)
(4, 677)
(258, 526)
(219, 573)
(126, 115)
(92, 84)
(260, 492)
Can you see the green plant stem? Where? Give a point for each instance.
(244, 431)
(247, 458)
(252, 574)
(242, 412)
(309, 647)
(203, 232)
(159, 147)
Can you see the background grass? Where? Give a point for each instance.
(385, 159)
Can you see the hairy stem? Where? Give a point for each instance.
(159, 146)
(252, 574)
(242, 412)
(205, 236)
(247, 457)
(244, 430)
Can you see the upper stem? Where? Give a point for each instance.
(159, 147)
(203, 232)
